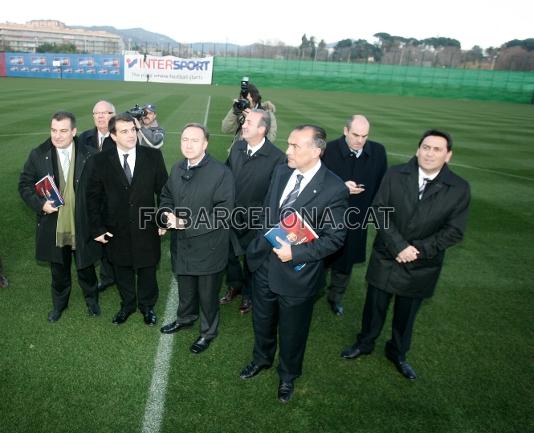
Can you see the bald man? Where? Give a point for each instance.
(361, 164)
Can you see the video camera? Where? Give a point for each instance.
(137, 111)
(242, 103)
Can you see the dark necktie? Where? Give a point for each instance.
(249, 153)
(126, 168)
(426, 180)
(292, 196)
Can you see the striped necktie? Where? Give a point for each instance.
(426, 180)
(292, 196)
(65, 164)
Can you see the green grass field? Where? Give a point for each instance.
(473, 345)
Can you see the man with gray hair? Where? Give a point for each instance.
(284, 296)
(100, 139)
(252, 161)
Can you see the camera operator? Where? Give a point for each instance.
(149, 133)
(235, 117)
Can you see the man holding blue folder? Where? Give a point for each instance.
(284, 297)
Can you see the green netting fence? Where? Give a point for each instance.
(377, 78)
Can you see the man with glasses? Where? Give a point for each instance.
(99, 138)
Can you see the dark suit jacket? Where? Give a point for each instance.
(431, 224)
(252, 177)
(368, 169)
(42, 161)
(325, 197)
(90, 138)
(114, 205)
(207, 188)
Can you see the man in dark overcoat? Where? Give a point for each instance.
(63, 232)
(124, 181)
(283, 296)
(252, 161)
(361, 164)
(427, 207)
(100, 139)
(198, 199)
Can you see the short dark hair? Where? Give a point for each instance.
(319, 135)
(122, 117)
(199, 126)
(437, 133)
(62, 115)
(254, 94)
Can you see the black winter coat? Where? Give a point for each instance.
(432, 224)
(115, 206)
(202, 247)
(42, 161)
(368, 168)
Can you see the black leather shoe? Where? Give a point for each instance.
(229, 296)
(252, 370)
(173, 327)
(54, 315)
(336, 308)
(353, 352)
(200, 345)
(101, 286)
(285, 391)
(246, 305)
(403, 368)
(150, 317)
(93, 310)
(121, 317)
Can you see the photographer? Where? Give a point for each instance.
(149, 133)
(235, 117)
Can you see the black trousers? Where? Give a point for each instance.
(238, 275)
(199, 295)
(338, 285)
(374, 315)
(107, 275)
(287, 316)
(61, 281)
(142, 295)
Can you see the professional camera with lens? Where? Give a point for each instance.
(137, 112)
(242, 103)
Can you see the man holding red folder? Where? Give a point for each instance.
(63, 232)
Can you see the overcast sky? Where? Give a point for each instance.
(472, 22)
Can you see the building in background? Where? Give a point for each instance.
(27, 37)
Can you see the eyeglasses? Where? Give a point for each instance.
(102, 113)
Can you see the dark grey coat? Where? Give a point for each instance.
(42, 161)
(201, 248)
(432, 224)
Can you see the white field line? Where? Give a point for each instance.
(207, 111)
(155, 404)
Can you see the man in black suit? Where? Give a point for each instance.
(99, 138)
(430, 206)
(284, 297)
(124, 180)
(252, 161)
(361, 164)
(63, 232)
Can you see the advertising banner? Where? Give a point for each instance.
(2, 64)
(67, 66)
(168, 69)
